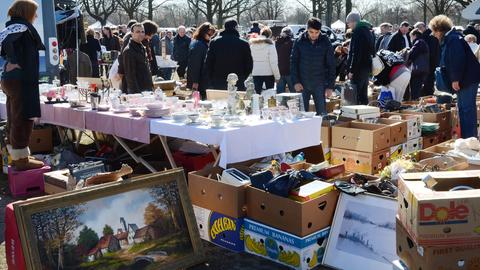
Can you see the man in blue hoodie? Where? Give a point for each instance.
(359, 61)
(313, 66)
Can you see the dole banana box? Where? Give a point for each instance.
(465, 257)
(221, 230)
(443, 211)
(296, 252)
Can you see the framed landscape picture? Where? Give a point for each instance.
(143, 223)
(363, 233)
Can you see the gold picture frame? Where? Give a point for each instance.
(168, 239)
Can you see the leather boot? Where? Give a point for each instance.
(25, 164)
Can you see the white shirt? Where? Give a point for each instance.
(407, 44)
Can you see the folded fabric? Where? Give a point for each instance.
(350, 189)
(282, 184)
(260, 179)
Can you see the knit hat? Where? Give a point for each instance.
(353, 16)
(287, 32)
(230, 24)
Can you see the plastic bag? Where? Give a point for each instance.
(113, 75)
(349, 94)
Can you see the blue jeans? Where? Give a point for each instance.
(467, 110)
(318, 99)
(285, 80)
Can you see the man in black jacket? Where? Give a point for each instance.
(385, 35)
(181, 46)
(136, 66)
(470, 30)
(228, 53)
(313, 66)
(434, 56)
(400, 40)
(359, 62)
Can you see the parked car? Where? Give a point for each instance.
(298, 29)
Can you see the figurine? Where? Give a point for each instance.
(232, 79)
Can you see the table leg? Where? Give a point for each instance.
(163, 140)
(137, 159)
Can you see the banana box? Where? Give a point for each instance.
(221, 230)
(396, 152)
(300, 253)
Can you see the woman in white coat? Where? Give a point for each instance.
(265, 61)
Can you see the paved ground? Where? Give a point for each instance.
(217, 258)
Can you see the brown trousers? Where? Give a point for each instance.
(19, 129)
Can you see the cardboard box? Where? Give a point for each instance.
(326, 136)
(435, 258)
(430, 140)
(414, 123)
(396, 152)
(58, 181)
(437, 216)
(444, 136)
(413, 145)
(313, 154)
(362, 137)
(332, 104)
(458, 164)
(443, 119)
(41, 140)
(398, 130)
(298, 218)
(221, 230)
(209, 193)
(296, 252)
(327, 154)
(361, 162)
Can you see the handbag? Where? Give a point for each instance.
(349, 94)
(377, 65)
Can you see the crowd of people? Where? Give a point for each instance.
(412, 57)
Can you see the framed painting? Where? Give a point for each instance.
(143, 223)
(363, 233)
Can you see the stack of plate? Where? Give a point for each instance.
(156, 113)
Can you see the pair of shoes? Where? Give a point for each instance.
(25, 164)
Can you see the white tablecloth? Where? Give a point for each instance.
(262, 139)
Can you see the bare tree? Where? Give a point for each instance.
(269, 9)
(437, 7)
(100, 10)
(131, 7)
(219, 9)
(154, 5)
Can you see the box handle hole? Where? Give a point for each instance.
(281, 213)
(461, 263)
(309, 225)
(262, 206)
(203, 192)
(220, 197)
(410, 243)
(322, 205)
(405, 203)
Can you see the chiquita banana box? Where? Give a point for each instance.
(296, 252)
(224, 231)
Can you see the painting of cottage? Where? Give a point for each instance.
(123, 231)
